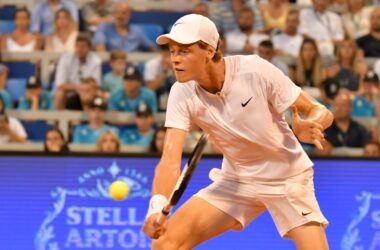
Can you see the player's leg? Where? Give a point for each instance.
(310, 236)
(195, 222)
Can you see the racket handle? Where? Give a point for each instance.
(163, 215)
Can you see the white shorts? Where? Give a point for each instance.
(291, 201)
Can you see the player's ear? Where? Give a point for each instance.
(210, 52)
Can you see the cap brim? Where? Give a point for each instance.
(182, 39)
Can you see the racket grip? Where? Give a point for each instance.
(163, 215)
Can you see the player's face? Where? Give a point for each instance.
(188, 61)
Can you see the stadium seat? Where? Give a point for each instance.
(16, 88)
(6, 26)
(152, 31)
(36, 130)
(7, 12)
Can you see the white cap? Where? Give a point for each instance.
(190, 29)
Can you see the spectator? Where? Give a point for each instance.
(345, 132)
(72, 67)
(370, 43)
(356, 20)
(274, 14)
(376, 67)
(143, 134)
(157, 145)
(55, 142)
(348, 68)
(43, 14)
(201, 9)
(96, 12)
(322, 25)
(86, 91)
(132, 93)
(244, 40)
(11, 129)
(372, 149)
(7, 102)
(108, 142)
(36, 98)
(367, 103)
(90, 133)
(21, 40)
(159, 76)
(64, 34)
(289, 41)
(266, 51)
(119, 35)
(114, 79)
(328, 89)
(309, 70)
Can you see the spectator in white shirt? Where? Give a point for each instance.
(289, 41)
(244, 39)
(72, 67)
(322, 25)
(11, 129)
(356, 20)
(376, 67)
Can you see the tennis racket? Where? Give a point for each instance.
(184, 178)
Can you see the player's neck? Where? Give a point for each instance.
(213, 78)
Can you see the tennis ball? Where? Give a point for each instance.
(118, 190)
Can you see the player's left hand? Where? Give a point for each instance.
(307, 131)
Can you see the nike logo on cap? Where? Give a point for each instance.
(177, 23)
(245, 103)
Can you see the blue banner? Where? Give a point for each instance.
(54, 203)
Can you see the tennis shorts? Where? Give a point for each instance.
(291, 202)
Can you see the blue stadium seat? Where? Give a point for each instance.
(36, 130)
(6, 26)
(152, 31)
(21, 69)
(7, 12)
(16, 88)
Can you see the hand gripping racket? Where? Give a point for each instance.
(184, 179)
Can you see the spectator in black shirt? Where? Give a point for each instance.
(86, 91)
(370, 43)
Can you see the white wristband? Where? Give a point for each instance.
(156, 204)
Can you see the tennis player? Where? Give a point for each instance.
(240, 102)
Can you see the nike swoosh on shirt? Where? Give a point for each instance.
(304, 214)
(245, 103)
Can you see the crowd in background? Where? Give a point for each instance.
(331, 48)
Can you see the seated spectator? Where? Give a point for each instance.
(348, 68)
(274, 14)
(3, 74)
(132, 93)
(345, 132)
(64, 34)
(96, 12)
(11, 129)
(370, 43)
(143, 134)
(244, 39)
(266, 51)
(157, 145)
(86, 91)
(36, 98)
(159, 76)
(21, 40)
(376, 67)
(55, 142)
(372, 149)
(90, 133)
(72, 67)
(356, 20)
(289, 41)
(322, 25)
(367, 102)
(43, 14)
(119, 35)
(328, 89)
(108, 142)
(114, 79)
(309, 70)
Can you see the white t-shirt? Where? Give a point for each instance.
(16, 126)
(235, 40)
(290, 45)
(376, 67)
(245, 120)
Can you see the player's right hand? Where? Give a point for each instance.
(152, 228)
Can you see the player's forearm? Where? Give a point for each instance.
(321, 115)
(165, 179)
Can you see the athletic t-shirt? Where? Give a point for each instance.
(245, 120)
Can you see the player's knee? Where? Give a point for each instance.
(165, 243)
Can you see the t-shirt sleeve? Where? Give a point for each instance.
(177, 111)
(280, 90)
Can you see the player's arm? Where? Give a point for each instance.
(315, 119)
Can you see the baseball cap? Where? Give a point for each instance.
(143, 110)
(132, 73)
(331, 87)
(33, 82)
(99, 103)
(190, 29)
(372, 77)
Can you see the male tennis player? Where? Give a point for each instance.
(240, 102)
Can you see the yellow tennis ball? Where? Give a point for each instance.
(118, 190)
